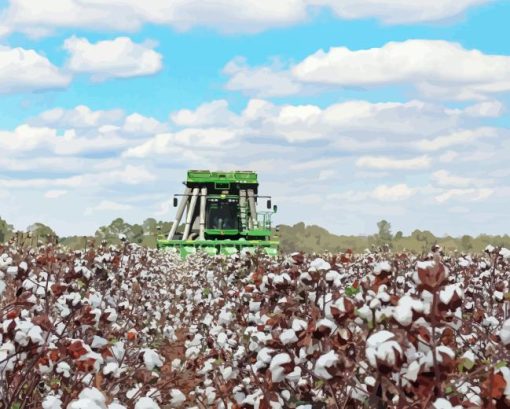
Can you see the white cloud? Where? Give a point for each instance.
(445, 178)
(136, 124)
(79, 117)
(261, 82)
(471, 195)
(117, 58)
(435, 68)
(397, 11)
(25, 70)
(54, 194)
(462, 137)
(129, 175)
(386, 163)
(485, 109)
(247, 16)
(107, 206)
(26, 138)
(393, 193)
(211, 113)
(181, 145)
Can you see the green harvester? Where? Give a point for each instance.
(221, 217)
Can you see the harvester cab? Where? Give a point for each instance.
(220, 216)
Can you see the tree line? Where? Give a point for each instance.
(298, 237)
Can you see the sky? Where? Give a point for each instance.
(351, 111)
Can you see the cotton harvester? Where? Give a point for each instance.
(220, 216)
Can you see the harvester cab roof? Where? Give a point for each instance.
(220, 216)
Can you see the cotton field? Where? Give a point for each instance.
(130, 327)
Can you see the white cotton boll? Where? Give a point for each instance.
(382, 266)
(98, 342)
(382, 346)
(299, 325)
(111, 368)
(116, 405)
(277, 371)
(442, 403)
(84, 404)
(146, 403)
(264, 355)
(288, 336)
(151, 359)
(403, 312)
(93, 395)
(320, 265)
(505, 253)
(504, 334)
(133, 391)
(177, 398)
(64, 369)
(446, 294)
(35, 335)
(323, 363)
(52, 402)
(489, 248)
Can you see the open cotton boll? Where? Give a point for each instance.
(382, 346)
(382, 266)
(52, 402)
(323, 363)
(504, 334)
(276, 366)
(403, 312)
(151, 359)
(177, 398)
(146, 403)
(320, 265)
(288, 337)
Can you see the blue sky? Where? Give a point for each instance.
(403, 115)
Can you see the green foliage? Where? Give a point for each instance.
(41, 232)
(5, 230)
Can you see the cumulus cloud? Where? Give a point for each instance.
(445, 178)
(461, 137)
(129, 175)
(247, 16)
(470, 195)
(54, 194)
(393, 193)
(435, 68)
(210, 113)
(260, 82)
(395, 12)
(117, 58)
(386, 163)
(79, 117)
(24, 70)
(107, 206)
(26, 138)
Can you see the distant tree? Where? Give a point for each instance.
(111, 232)
(384, 235)
(399, 235)
(5, 230)
(42, 232)
(466, 243)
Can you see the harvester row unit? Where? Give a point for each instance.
(220, 216)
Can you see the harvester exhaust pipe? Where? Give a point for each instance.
(253, 208)
(191, 211)
(180, 211)
(203, 198)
